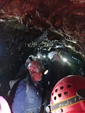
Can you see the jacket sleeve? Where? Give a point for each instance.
(19, 97)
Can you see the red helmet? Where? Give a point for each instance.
(4, 107)
(67, 96)
(35, 69)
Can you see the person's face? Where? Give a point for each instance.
(36, 76)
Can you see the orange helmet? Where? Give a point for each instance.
(35, 69)
(67, 96)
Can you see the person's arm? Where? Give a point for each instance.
(19, 97)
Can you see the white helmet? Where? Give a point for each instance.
(4, 107)
(51, 54)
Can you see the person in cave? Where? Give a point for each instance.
(56, 68)
(56, 72)
(29, 93)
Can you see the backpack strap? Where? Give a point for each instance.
(27, 84)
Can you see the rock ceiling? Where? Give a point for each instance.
(66, 17)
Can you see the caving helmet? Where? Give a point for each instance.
(68, 95)
(29, 59)
(4, 107)
(35, 69)
(54, 56)
(51, 54)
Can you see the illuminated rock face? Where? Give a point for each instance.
(66, 16)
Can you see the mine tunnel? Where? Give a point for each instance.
(29, 28)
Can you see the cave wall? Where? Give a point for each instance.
(13, 51)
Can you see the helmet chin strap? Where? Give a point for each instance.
(81, 93)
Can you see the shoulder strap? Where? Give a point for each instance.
(27, 84)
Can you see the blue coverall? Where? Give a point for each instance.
(27, 99)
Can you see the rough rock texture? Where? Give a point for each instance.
(65, 16)
(13, 51)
